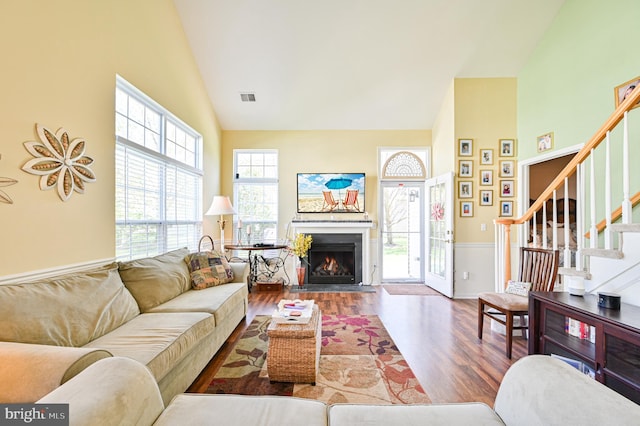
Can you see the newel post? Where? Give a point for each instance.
(507, 253)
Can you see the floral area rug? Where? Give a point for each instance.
(359, 363)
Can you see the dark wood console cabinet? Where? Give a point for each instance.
(606, 341)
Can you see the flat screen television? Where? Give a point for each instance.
(331, 192)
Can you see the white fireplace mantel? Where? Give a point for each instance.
(362, 227)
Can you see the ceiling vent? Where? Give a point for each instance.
(248, 97)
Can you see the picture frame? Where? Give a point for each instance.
(507, 147)
(466, 168)
(506, 208)
(486, 156)
(466, 208)
(465, 147)
(315, 189)
(465, 189)
(506, 168)
(486, 197)
(545, 142)
(507, 188)
(486, 177)
(621, 92)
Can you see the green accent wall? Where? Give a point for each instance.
(566, 87)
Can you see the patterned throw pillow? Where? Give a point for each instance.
(208, 269)
(518, 287)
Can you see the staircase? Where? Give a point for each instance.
(603, 255)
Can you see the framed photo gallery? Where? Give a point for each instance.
(495, 176)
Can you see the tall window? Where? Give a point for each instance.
(256, 192)
(158, 178)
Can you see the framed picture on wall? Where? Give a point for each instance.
(622, 91)
(486, 156)
(465, 147)
(506, 168)
(465, 190)
(486, 177)
(545, 142)
(506, 188)
(466, 168)
(506, 208)
(507, 148)
(486, 197)
(466, 208)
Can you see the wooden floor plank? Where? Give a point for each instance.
(436, 335)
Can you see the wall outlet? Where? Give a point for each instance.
(483, 227)
(465, 275)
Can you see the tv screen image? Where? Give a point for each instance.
(331, 192)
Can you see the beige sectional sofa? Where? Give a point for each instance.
(537, 390)
(144, 310)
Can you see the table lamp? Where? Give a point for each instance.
(221, 205)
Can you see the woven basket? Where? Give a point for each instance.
(294, 350)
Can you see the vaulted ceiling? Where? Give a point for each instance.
(353, 64)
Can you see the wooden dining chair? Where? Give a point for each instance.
(538, 267)
(329, 202)
(351, 199)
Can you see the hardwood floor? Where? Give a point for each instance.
(436, 335)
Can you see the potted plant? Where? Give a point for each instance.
(300, 247)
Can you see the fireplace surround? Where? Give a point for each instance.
(339, 252)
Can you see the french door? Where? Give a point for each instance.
(439, 241)
(402, 231)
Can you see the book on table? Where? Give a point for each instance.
(293, 311)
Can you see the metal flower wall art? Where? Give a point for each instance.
(5, 181)
(59, 162)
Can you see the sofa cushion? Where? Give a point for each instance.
(208, 269)
(69, 310)
(154, 280)
(219, 301)
(233, 410)
(158, 340)
(463, 414)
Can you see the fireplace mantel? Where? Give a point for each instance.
(362, 227)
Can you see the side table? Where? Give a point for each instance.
(253, 260)
(294, 350)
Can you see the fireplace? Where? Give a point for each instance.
(335, 259)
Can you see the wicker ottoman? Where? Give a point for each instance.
(294, 350)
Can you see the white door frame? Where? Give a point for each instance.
(523, 181)
(409, 184)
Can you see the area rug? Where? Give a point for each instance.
(359, 363)
(410, 290)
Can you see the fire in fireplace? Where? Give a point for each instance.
(335, 259)
(331, 266)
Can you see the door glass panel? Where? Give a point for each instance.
(401, 233)
(437, 255)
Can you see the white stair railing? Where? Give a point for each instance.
(530, 229)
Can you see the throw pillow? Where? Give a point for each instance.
(208, 269)
(518, 287)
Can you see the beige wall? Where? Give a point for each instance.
(319, 151)
(444, 136)
(59, 64)
(485, 111)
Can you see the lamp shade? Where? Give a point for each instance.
(220, 205)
